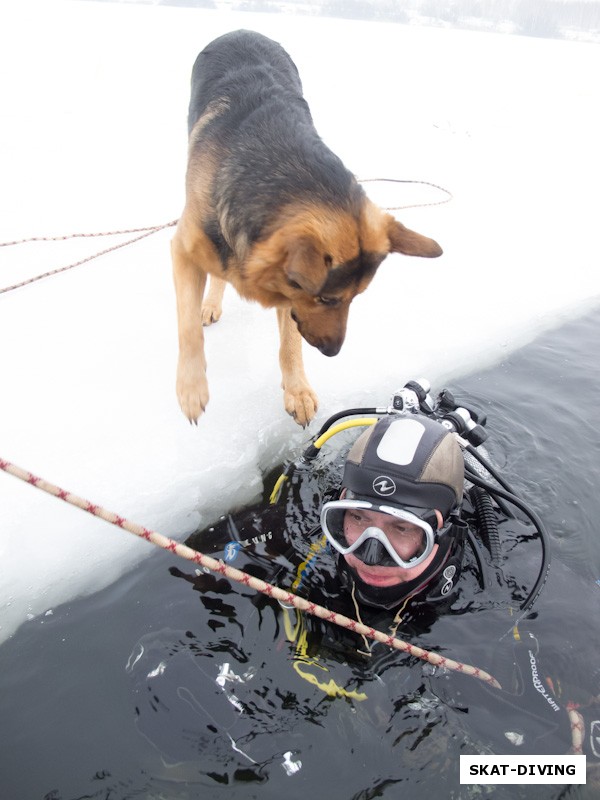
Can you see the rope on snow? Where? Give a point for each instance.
(143, 233)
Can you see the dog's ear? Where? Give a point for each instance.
(305, 265)
(403, 240)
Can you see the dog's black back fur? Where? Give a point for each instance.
(271, 152)
(236, 65)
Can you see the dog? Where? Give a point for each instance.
(272, 210)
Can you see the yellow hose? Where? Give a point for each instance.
(342, 426)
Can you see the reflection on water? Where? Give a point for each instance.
(225, 703)
(173, 684)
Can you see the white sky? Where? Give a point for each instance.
(93, 137)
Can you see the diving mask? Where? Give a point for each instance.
(380, 534)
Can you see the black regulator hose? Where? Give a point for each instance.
(487, 522)
(490, 468)
(538, 524)
(483, 579)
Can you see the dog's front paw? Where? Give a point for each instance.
(192, 391)
(301, 404)
(211, 312)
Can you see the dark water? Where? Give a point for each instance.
(68, 705)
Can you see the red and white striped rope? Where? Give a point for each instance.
(96, 234)
(238, 576)
(577, 729)
(143, 233)
(447, 199)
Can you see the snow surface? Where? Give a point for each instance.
(93, 138)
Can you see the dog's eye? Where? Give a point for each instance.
(328, 301)
(294, 284)
(328, 261)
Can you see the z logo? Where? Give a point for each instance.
(384, 486)
(595, 737)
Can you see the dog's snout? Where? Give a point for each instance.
(327, 342)
(330, 348)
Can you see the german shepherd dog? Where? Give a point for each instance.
(270, 209)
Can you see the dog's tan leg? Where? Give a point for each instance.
(190, 280)
(212, 307)
(298, 397)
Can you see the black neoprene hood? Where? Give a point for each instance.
(407, 460)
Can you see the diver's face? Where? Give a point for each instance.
(404, 537)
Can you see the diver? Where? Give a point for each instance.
(398, 535)
(412, 532)
(396, 527)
